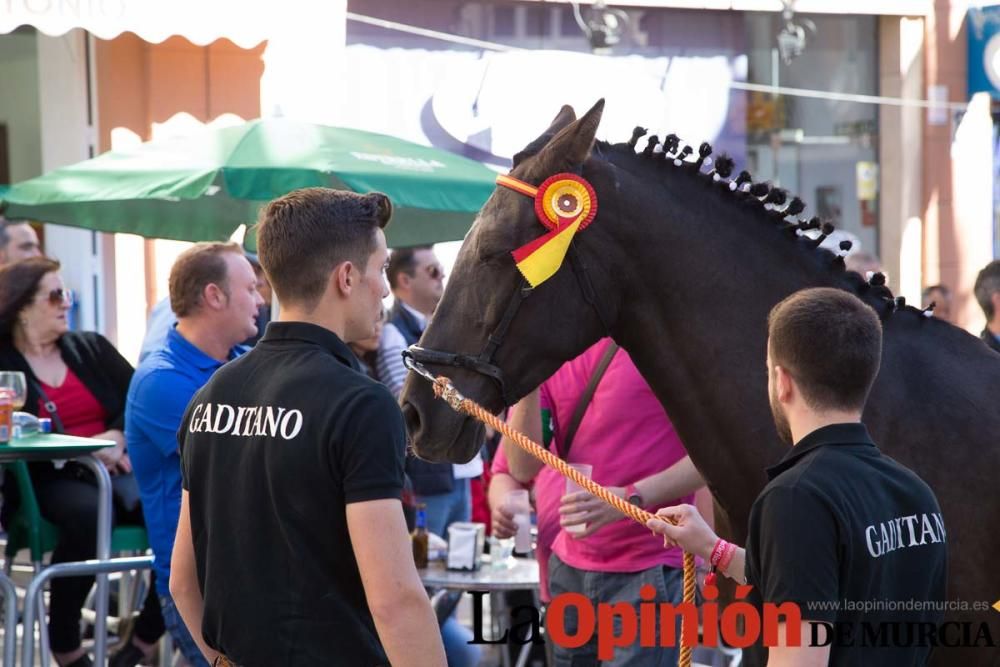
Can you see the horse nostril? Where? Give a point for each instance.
(411, 418)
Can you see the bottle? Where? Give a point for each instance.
(420, 537)
(6, 414)
(25, 424)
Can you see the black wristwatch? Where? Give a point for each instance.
(633, 496)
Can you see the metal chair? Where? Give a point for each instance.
(27, 529)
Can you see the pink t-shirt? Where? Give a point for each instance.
(626, 436)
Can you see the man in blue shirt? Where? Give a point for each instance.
(162, 318)
(213, 291)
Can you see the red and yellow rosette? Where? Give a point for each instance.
(565, 204)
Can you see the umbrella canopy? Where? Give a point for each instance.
(202, 187)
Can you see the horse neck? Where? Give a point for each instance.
(703, 274)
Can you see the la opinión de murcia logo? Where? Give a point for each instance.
(738, 624)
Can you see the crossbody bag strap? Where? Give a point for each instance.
(584, 401)
(57, 425)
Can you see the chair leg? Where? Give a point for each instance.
(166, 650)
(44, 651)
(126, 586)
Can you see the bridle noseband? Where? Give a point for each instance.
(416, 356)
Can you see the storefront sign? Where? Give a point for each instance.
(984, 50)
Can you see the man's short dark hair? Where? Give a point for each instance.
(987, 284)
(303, 235)
(830, 342)
(5, 223)
(403, 261)
(200, 265)
(929, 290)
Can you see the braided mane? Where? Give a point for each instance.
(766, 202)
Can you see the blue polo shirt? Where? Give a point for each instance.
(159, 393)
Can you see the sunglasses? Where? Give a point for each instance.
(435, 272)
(61, 296)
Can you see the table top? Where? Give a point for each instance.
(522, 574)
(49, 447)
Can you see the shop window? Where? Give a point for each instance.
(537, 21)
(824, 150)
(503, 21)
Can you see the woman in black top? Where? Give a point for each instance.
(87, 380)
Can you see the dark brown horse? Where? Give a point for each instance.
(681, 268)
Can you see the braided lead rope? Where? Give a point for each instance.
(444, 390)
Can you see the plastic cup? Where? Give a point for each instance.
(587, 471)
(518, 503)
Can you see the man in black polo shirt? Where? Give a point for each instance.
(839, 523)
(291, 547)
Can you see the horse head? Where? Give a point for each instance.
(494, 335)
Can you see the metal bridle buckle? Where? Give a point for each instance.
(452, 396)
(417, 367)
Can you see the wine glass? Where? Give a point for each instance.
(14, 382)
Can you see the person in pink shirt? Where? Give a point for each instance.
(635, 452)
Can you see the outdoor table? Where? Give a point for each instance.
(522, 574)
(55, 447)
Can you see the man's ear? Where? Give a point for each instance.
(784, 385)
(214, 297)
(343, 277)
(995, 298)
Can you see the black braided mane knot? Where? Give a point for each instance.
(771, 200)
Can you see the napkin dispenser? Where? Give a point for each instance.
(465, 545)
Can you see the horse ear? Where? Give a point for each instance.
(571, 147)
(565, 116)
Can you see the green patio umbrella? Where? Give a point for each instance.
(202, 187)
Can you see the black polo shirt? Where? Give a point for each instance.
(842, 524)
(274, 447)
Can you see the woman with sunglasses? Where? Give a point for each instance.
(80, 381)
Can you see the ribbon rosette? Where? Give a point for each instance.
(565, 204)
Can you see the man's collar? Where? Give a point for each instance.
(309, 333)
(194, 354)
(835, 434)
(417, 315)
